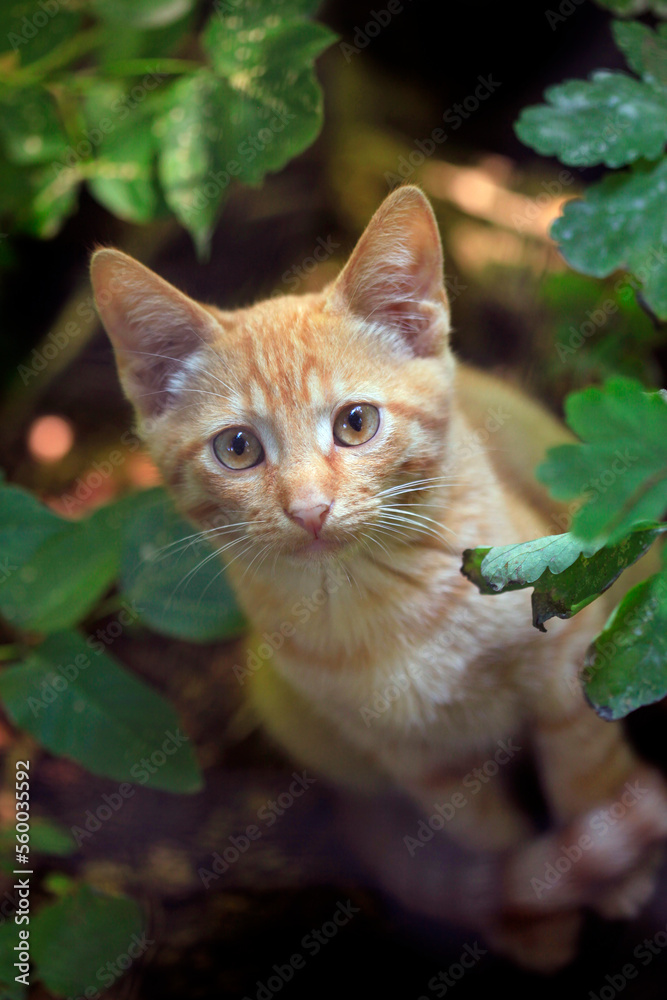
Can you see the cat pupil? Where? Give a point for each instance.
(239, 444)
(356, 418)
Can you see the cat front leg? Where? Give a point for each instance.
(588, 766)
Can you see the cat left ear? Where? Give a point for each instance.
(394, 278)
(153, 327)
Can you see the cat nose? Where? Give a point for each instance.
(310, 518)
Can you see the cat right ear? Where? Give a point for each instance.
(153, 327)
(393, 281)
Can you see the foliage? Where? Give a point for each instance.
(566, 573)
(617, 120)
(57, 572)
(620, 472)
(75, 942)
(130, 99)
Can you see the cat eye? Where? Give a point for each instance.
(355, 424)
(237, 448)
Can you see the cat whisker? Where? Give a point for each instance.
(424, 529)
(186, 362)
(205, 560)
(422, 517)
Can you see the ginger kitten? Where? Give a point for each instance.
(334, 436)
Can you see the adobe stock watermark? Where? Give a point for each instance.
(623, 289)
(29, 27)
(268, 815)
(216, 181)
(65, 674)
(454, 117)
(301, 613)
(597, 486)
(605, 651)
(550, 190)
(312, 943)
(565, 9)
(119, 109)
(473, 782)
(400, 683)
(446, 979)
(600, 823)
(112, 970)
(297, 274)
(140, 772)
(644, 953)
(364, 34)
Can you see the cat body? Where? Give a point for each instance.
(341, 459)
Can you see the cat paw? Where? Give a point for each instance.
(538, 943)
(628, 898)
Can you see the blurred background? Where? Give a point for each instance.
(428, 93)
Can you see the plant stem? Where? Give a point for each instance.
(58, 58)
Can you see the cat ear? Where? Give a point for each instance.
(153, 327)
(394, 278)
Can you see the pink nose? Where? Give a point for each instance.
(310, 518)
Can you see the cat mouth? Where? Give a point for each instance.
(318, 547)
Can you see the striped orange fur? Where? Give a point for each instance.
(373, 593)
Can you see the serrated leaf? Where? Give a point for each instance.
(621, 223)
(626, 666)
(612, 119)
(79, 702)
(620, 467)
(645, 50)
(73, 939)
(566, 573)
(259, 106)
(180, 590)
(55, 570)
(30, 126)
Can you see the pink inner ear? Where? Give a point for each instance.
(394, 277)
(154, 327)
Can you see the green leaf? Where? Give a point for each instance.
(621, 466)
(23, 28)
(180, 591)
(73, 939)
(644, 49)
(54, 570)
(143, 14)
(626, 666)
(124, 179)
(621, 223)
(257, 108)
(613, 119)
(78, 702)
(566, 573)
(30, 126)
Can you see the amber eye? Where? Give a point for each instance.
(237, 448)
(355, 424)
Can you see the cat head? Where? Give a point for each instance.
(297, 421)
